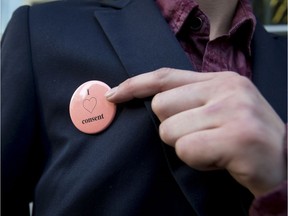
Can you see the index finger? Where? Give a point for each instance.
(154, 82)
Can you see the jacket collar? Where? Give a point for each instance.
(145, 47)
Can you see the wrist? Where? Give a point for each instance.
(278, 175)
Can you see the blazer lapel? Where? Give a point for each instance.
(270, 69)
(141, 37)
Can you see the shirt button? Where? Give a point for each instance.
(195, 23)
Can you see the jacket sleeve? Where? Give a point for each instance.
(20, 148)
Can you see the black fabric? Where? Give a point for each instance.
(48, 50)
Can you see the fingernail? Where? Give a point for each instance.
(111, 92)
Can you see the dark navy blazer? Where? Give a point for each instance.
(49, 50)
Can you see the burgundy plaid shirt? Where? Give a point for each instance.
(191, 27)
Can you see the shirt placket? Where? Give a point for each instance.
(217, 55)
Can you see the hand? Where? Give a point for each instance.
(215, 120)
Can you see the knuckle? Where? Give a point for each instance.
(128, 84)
(161, 76)
(213, 108)
(246, 109)
(181, 151)
(236, 84)
(156, 104)
(162, 71)
(230, 74)
(241, 82)
(165, 133)
(250, 132)
(254, 131)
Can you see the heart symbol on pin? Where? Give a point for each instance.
(90, 104)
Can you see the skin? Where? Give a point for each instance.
(214, 120)
(220, 14)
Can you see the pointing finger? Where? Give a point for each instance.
(151, 83)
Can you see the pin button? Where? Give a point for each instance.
(89, 110)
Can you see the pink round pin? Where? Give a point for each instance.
(90, 112)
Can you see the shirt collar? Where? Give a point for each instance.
(176, 11)
(243, 23)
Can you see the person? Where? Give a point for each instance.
(201, 109)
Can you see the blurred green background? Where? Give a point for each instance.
(271, 11)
